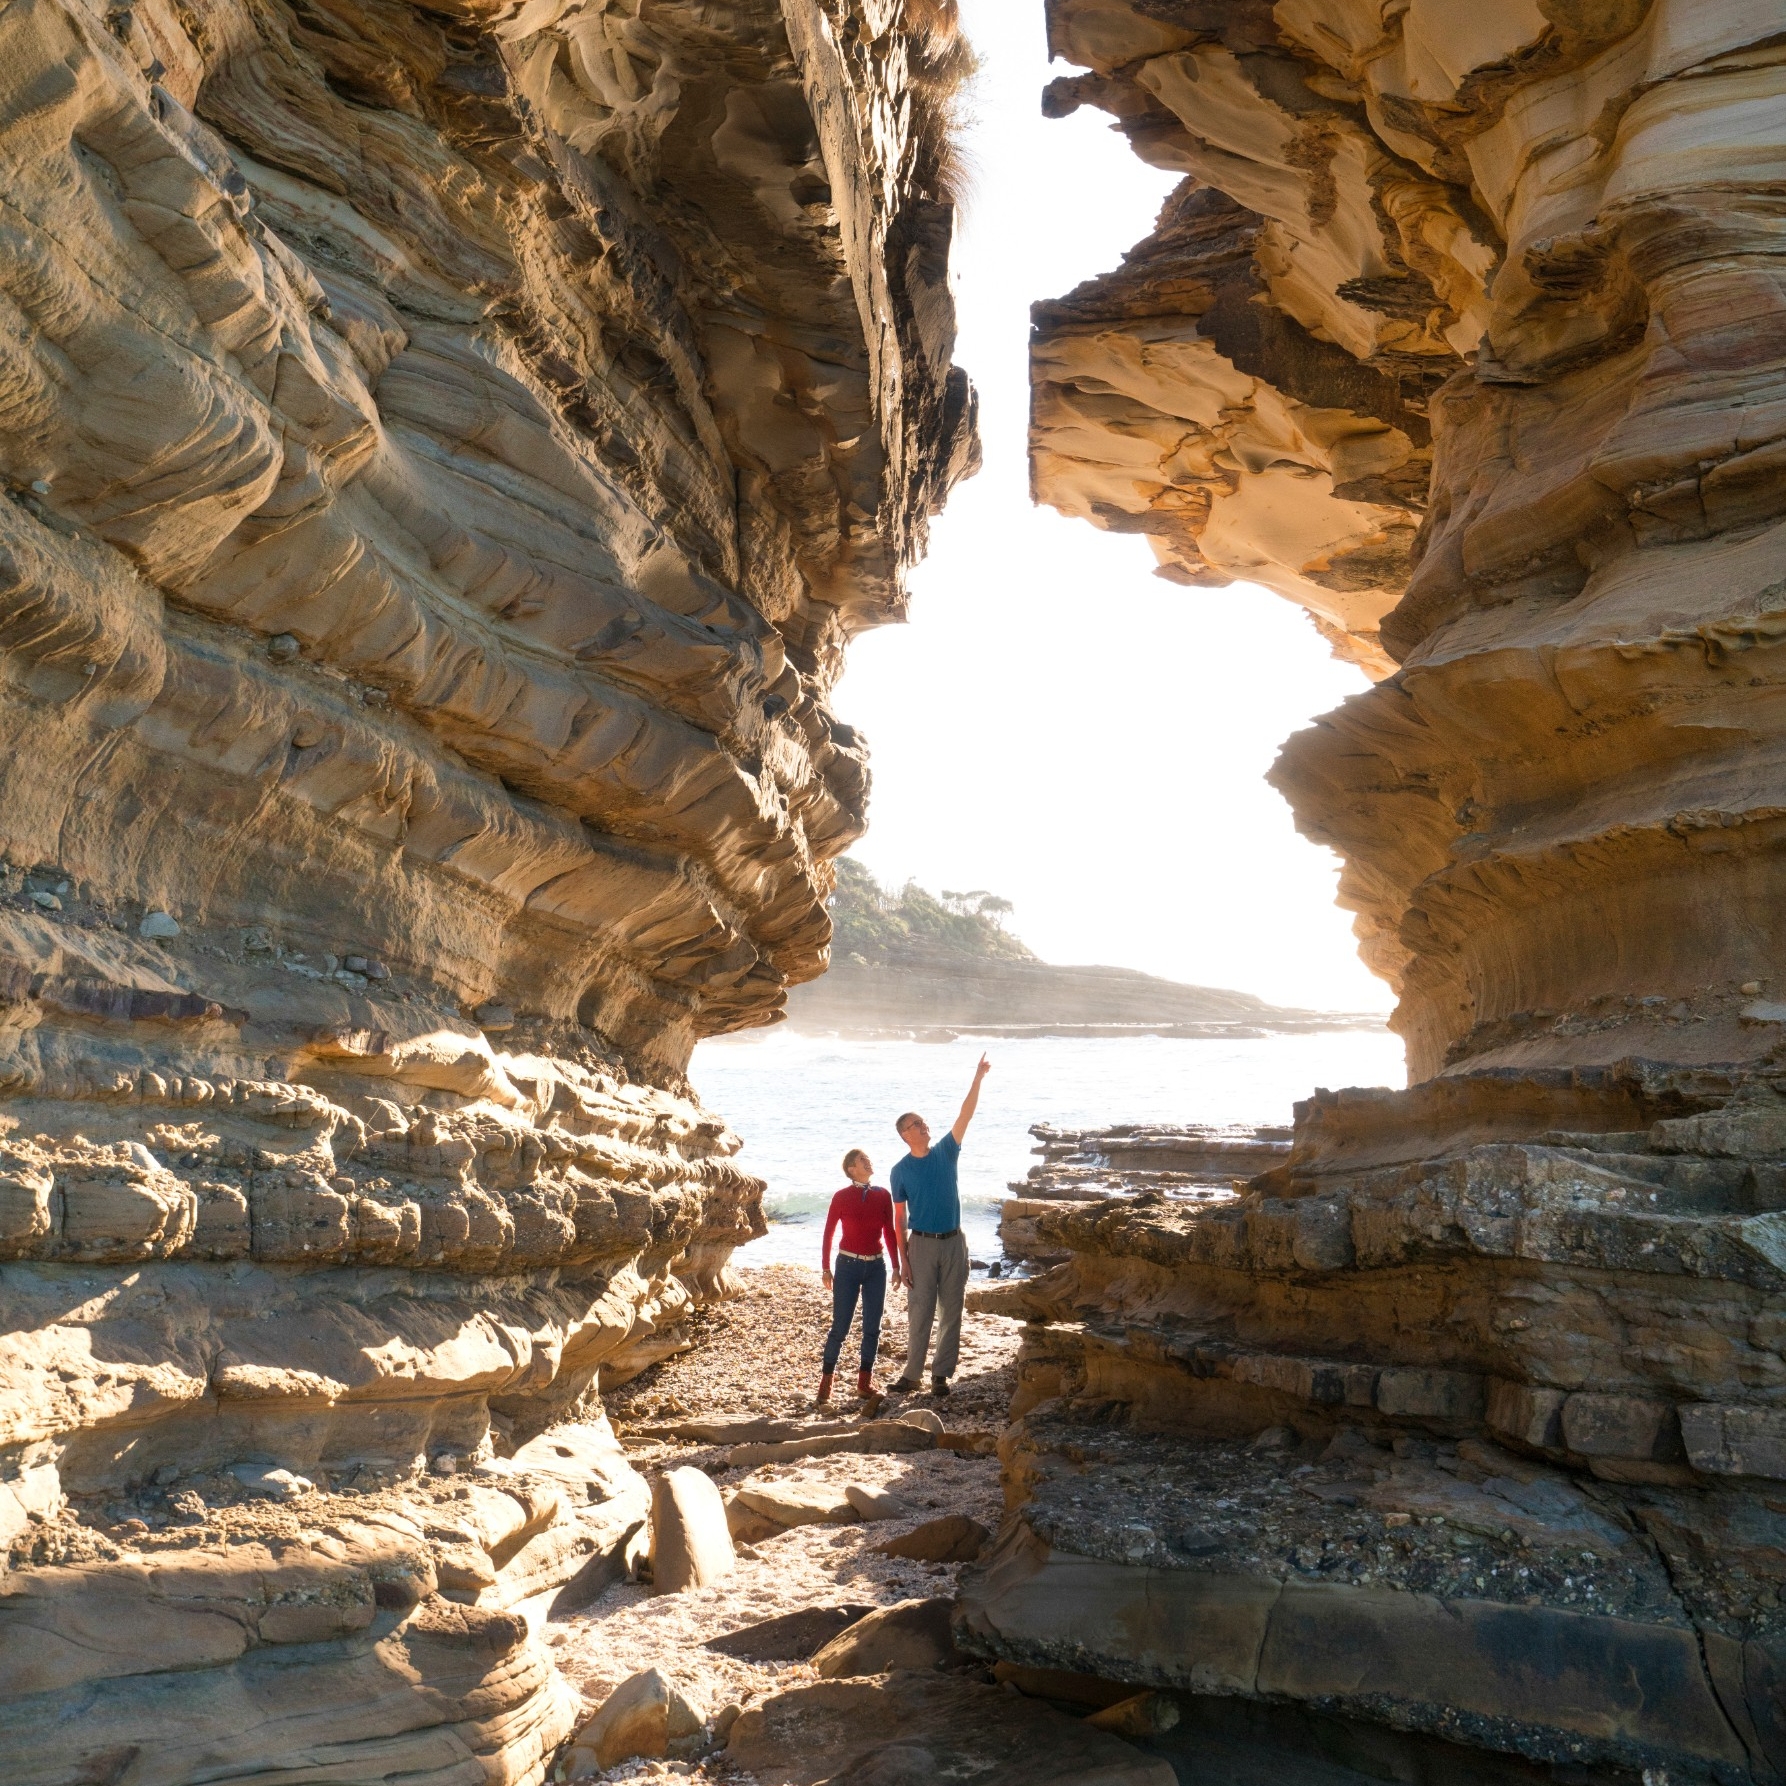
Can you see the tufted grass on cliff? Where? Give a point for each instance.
(942, 67)
(882, 925)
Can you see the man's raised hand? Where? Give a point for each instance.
(971, 1102)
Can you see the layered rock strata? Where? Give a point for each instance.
(446, 453)
(1469, 1418)
(1138, 1157)
(1478, 1440)
(1196, 1161)
(1523, 270)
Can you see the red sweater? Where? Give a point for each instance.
(866, 1213)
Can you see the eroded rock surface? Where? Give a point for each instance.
(1446, 1391)
(446, 452)
(1196, 1160)
(912, 1729)
(1465, 331)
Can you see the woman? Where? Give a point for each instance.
(864, 1211)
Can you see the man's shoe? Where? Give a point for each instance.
(939, 1386)
(905, 1386)
(824, 1394)
(865, 1384)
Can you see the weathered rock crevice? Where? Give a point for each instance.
(446, 453)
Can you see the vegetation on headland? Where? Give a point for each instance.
(883, 926)
(906, 962)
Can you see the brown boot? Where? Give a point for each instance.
(865, 1384)
(824, 1394)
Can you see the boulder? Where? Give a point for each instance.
(691, 1543)
(265, 1482)
(646, 1715)
(791, 1638)
(914, 1634)
(924, 1419)
(968, 1443)
(952, 1539)
(875, 1503)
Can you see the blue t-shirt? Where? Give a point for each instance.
(928, 1188)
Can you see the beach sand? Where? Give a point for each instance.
(758, 1355)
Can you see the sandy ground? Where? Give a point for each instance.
(758, 1354)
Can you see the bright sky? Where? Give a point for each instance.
(1056, 723)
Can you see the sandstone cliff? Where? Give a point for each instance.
(446, 453)
(1465, 331)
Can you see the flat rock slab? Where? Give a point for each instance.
(739, 1430)
(799, 1503)
(876, 1503)
(912, 1730)
(1605, 1688)
(952, 1539)
(748, 1526)
(880, 1436)
(791, 1638)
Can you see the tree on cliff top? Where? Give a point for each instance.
(883, 927)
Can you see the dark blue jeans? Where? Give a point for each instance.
(851, 1278)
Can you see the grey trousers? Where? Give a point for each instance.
(939, 1287)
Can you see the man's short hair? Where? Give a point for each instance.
(905, 1122)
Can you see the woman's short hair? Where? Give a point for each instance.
(850, 1158)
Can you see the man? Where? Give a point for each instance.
(926, 1194)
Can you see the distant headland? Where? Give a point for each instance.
(909, 962)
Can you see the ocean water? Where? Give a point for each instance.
(800, 1102)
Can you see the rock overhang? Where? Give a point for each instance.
(1543, 245)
